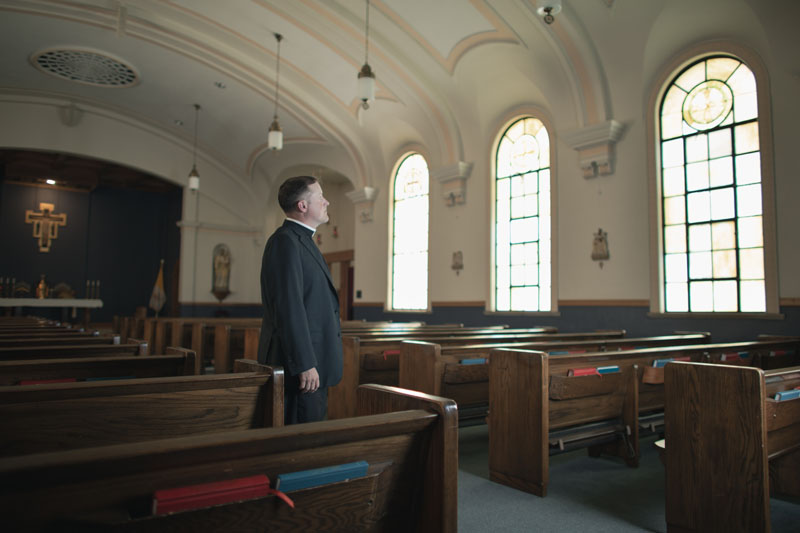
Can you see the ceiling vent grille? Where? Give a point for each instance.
(83, 66)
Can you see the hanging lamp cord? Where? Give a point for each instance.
(366, 38)
(196, 120)
(278, 37)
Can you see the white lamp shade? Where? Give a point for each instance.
(275, 140)
(554, 5)
(366, 85)
(194, 183)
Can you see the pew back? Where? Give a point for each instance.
(55, 341)
(177, 362)
(64, 416)
(59, 351)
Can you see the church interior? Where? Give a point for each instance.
(618, 169)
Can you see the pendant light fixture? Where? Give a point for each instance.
(548, 9)
(275, 137)
(366, 77)
(194, 177)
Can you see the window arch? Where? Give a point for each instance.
(409, 231)
(715, 250)
(522, 248)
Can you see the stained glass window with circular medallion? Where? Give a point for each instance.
(711, 215)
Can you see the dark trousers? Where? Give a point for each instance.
(301, 407)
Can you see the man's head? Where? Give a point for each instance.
(301, 199)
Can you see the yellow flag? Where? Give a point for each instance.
(158, 298)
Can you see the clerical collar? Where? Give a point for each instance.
(313, 230)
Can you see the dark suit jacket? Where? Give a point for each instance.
(301, 327)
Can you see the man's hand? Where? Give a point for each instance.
(309, 380)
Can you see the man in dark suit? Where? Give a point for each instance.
(301, 330)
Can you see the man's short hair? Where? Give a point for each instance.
(292, 191)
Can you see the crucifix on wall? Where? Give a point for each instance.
(45, 224)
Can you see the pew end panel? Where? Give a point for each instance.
(143, 346)
(251, 338)
(342, 396)
(518, 433)
(421, 367)
(273, 392)
(149, 331)
(222, 349)
(193, 365)
(715, 429)
(197, 341)
(439, 483)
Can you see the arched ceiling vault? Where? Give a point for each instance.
(222, 55)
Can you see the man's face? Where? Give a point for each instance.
(316, 206)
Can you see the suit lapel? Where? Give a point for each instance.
(305, 240)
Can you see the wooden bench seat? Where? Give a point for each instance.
(177, 362)
(376, 360)
(729, 444)
(409, 439)
(534, 413)
(65, 416)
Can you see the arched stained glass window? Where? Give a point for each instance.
(409, 275)
(522, 247)
(711, 198)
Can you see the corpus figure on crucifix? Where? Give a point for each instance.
(45, 224)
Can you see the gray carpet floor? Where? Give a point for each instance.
(585, 494)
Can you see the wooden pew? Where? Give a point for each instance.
(534, 413)
(64, 416)
(177, 331)
(46, 333)
(11, 322)
(728, 443)
(45, 351)
(388, 329)
(177, 362)
(224, 338)
(651, 380)
(650, 386)
(47, 340)
(444, 371)
(376, 360)
(251, 335)
(409, 439)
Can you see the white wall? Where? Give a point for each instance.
(618, 203)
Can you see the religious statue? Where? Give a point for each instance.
(600, 246)
(221, 272)
(42, 290)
